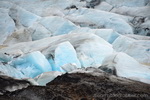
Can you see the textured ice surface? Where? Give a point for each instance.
(11, 71)
(69, 67)
(128, 67)
(138, 49)
(58, 25)
(23, 17)
(28, 26)
(46, 77)
(7, 25)
(129, 3)
(32, 64)
(107, 34)
(65, 54)
(102, 19)
(92, 52)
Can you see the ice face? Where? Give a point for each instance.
(23, 17)
(101, 19)
(138, 49)
(65, 54)
(33, 64)
(92, 52)
(107, 34)
(127, 66)
(7, 25)
(11, 71)
(58, 25)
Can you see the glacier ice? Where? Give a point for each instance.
(69, 67)
(65, 54)
(11, 71)
(127, 66)
(99, 48)
(23, 17)
(128, 3)
(104, 6)
(58, 25)
(32, 64)
(107, 34)
(7, 25)
(46, 77)
(39, 32)
(138, 49)
(102, 19)
(39, 36)
(92, 52)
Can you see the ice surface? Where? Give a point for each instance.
(69, 67)
(7, 25)
(127, 66)
(58, 25)
(41, 7)
(22, 16)
(104, 6)
(102, 19)
(32, 64)
(39, 32)
(46, 77)
(129, 3)
(90, 48)
(107, 34)
(133, 11)
(65, 54)
(92, 53)
(44, 26)
(11, 71)
(138, 49)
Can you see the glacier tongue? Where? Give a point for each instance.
(42, 39)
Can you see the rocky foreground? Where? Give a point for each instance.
(88, 84)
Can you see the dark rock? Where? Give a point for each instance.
(110, 70)
(8, 84)
(84, 86)
(93, 3)
(72, 7)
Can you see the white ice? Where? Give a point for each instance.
(128, 67)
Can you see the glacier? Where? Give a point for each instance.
(127, 66)
(65, 54)
(138, 49)
(32, 64)
(7, 25)
(42, 39)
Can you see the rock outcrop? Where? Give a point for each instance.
(87, 84)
